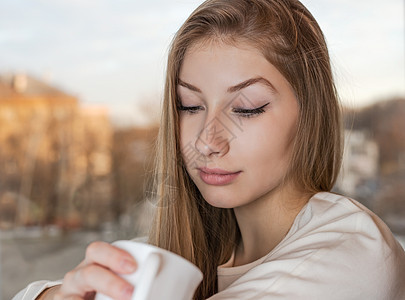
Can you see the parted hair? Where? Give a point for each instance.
(289, 37)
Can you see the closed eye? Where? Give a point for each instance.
(249, 113)
(243, 112)
(190, 109)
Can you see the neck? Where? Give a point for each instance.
(264, 223)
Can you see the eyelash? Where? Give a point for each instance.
(245, 113)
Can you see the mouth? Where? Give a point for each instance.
(216, 171)
(217, 176)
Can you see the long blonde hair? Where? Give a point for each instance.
(289, 37)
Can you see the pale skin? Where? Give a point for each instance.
(258, 146)
(215, 79)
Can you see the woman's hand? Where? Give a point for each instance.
(97, 273)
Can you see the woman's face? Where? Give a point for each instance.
(238, 119)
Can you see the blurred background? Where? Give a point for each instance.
(80, 90)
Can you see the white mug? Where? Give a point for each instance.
(161, 274)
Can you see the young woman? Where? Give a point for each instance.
(248, 150)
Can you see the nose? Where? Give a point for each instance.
(214, 139)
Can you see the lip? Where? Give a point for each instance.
(217, 176)
(216, 171)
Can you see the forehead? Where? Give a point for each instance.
(213, 58)
(222, 65)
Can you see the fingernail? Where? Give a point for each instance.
(128, 265)
(127, 292)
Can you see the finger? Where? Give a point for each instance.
(88, 296)
(71, 297)
(110, 256)
(95, 278)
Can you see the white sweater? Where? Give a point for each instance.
(335, 249)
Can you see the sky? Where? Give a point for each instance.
(113, 52)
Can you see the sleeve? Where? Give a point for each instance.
(34, 289)
(328, 264)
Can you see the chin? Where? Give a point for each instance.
(220, 204)
(220, 200)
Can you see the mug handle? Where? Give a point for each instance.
(146, 278)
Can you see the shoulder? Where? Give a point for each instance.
(336, 222)
(336, 249)
(332, 213)
(342, 245)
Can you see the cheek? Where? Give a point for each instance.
(188, 133)
(267, 145)
(186, 130)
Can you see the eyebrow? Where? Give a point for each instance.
(234, 88)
